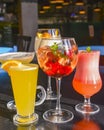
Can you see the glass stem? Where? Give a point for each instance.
(58, 85)
(87, 102)
(49, 88)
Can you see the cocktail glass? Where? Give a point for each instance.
(57, 58)
(87, 80)
(47, 33)
(24, 79)
(24, 57)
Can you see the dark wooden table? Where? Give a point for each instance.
(69, 100)
(95, 122)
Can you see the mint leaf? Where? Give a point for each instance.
(54, 48)
(88, 49)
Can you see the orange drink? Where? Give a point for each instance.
(24, 84)
(87, 80)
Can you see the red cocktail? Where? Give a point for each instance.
(56, 63)
(58, 58)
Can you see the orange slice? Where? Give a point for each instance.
(6, 65)
(46, 35)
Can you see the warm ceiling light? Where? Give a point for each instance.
(97, 9)
(41, 11)
(56, 1)
(53, 2)
(82, 12)
(58, 7)
(46, 7)
(79, 2)
(65, 3)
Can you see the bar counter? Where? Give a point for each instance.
(68, 100)
(95, 122)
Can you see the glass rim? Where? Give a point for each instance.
(59, 38)
(48, 28)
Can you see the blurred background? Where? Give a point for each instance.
(82, 19)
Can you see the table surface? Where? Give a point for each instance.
(96, 122)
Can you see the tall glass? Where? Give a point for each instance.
(24, 57)
(87, 80)
(24, 79)
(57, 58)
(47, 33)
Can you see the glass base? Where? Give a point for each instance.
(11, 105)
(51, 96)
(25, 121)
(92, 109)
(56, 117)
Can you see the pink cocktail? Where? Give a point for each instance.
(87, 80)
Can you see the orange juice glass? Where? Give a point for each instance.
(24, 84)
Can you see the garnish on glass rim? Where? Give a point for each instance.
(88, 49)
(54, 48)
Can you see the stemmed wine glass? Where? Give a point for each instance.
(87, 80)
(47, 33)
(57, 58)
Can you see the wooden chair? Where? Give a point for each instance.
(23, 43)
